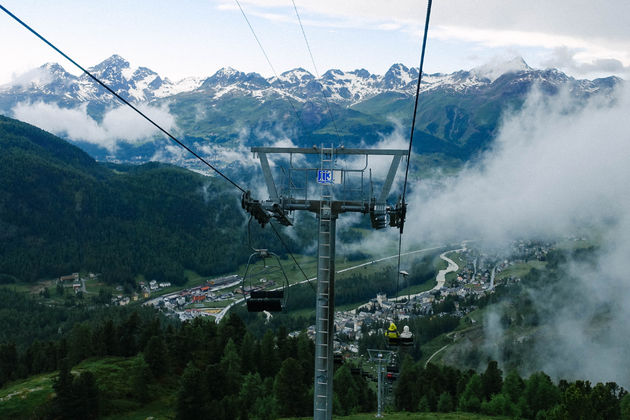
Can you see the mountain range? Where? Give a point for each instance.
(458, 112)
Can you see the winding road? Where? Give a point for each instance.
(452, 267)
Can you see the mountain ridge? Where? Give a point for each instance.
(143, 84)
(460, 111)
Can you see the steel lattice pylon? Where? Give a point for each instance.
(338, 194)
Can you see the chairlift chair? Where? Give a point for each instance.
(394, 338)
(263, 264)
(406, 337)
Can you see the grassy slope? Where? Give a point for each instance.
(420, 416)
(21, 398)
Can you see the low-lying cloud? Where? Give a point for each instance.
(557, 168)
(565, 58)
(118, 124)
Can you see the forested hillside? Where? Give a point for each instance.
(61, 212)
(132, 365)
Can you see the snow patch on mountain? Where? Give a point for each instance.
(169, 88)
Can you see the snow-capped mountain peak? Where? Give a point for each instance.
(296, 75)
(399, 76)
(113, 62)
(223, 77)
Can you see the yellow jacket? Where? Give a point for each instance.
(392, 331)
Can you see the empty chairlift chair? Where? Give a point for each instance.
(265, 283)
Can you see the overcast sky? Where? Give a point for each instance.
(196, 37)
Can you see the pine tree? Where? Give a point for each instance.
(230, 365)
(499, 405)
(625, 407)
(445, 403)
(492, 380)
(86, 395)
(251, 390)
(140, 379)
(513, 386)
(291, 399)
(155, 354)
(8, 362)
(605, 401)
(63, 401)
(578, 402)
(423, 405)
(346, 391)
(191, 395)
(470, 400)
(540, 394)
(269, 360)
(247, 354)
(80, 343)
(405, 393)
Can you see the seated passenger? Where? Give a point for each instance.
(392, 332)
(406, 333)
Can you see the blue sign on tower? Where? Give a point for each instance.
(325, 176)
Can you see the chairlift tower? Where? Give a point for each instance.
(379, 357)
(342, 188)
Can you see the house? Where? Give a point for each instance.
(153, 285)
(199, 298)
(71, 277)
(380, 298)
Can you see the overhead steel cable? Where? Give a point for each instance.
(297, 114)
(286, 247)
(310, 53)
(273, 69)
(123, 100)
(415, 108)
(413, 126)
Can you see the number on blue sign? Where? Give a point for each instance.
(324, 176)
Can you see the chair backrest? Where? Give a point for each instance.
(259, 305)
(267, 294)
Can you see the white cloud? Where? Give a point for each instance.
(558, 168)
(565, 58)
(549, 172)
(38, 76)
(118, 124)
(600, 32)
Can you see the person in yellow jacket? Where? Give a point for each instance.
(392, 332)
